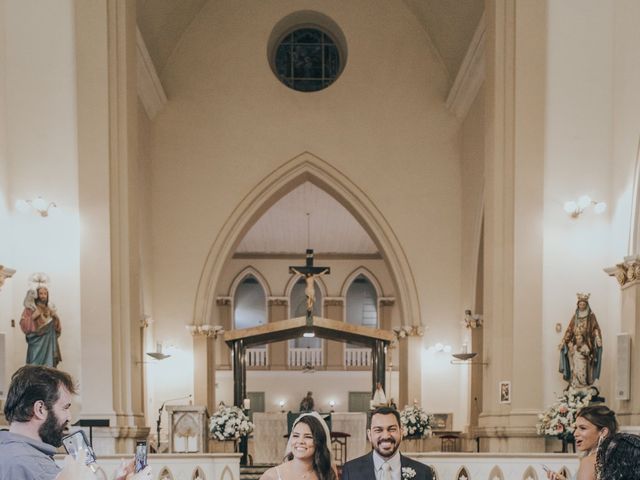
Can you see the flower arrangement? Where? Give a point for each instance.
(229, 423)
(559, 419)
(408, 473)
(415, 422)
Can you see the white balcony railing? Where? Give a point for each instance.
(357, 357)
(305, 357)
(256, 357)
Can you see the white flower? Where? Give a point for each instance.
(559, 419)
(415, 421)
(407, 473)
(229, 423)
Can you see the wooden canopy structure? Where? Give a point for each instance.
(240, 340)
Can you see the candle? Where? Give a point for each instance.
(464, 348)
(246, 404)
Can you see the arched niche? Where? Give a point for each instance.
(227, 474)
(307, 167)
(462, 474)
(198, 474)
(165, 474)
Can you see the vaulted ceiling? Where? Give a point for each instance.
(329, 228)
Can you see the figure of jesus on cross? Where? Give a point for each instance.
(310, 272)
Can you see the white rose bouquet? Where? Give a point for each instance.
(559, 419)
(229, 423)
(415, 422)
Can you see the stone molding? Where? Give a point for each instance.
(150, 89)
(387, 301)
(333, 301)
(626, 273)
(277, 301)
(223, 301)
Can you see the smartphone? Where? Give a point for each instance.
(141, 455)
(76, 442)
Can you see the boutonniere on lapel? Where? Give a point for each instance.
(407, 473)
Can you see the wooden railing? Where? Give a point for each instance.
(256, 357)
(301, 357)
(357, 357)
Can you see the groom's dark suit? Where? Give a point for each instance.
(362, 468)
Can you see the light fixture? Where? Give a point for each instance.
(39, 204)
(463, 358)
(158, 355)
(575, 208)
(439, 348)
(332, 404)
(205, 330)
(281, 403)
(308, 334)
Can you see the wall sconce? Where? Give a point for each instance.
(205, 330)
(281, 403)
(439, 348)
(332, 404)
(158, 355)
(575, 209)
(40, 206)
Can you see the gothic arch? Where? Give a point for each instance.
(367, 273)
(245, 273)
(227, 474)
(530, 474)
(496, 473)
(308, 167)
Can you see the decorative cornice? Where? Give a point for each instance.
(5, 272)
(626, 273)
(277, 301)
(387, 301)
(333, 301)
(470, 74)
(150, 88)
(223, 301)
(408, 331)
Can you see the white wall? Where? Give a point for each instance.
(39, 158)
(580, 134)
(229, 123)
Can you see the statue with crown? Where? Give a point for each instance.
(581, 348)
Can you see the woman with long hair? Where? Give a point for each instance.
(308, 455)
(594, 424)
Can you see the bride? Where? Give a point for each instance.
(308, 454)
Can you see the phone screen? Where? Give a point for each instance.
(76, 442)
(141, 455)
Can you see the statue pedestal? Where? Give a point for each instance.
(188, 429)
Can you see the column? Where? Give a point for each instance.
(278, 308)
(225, 319)
(334, 351)
(514, 173)
(627, 273)
(410, 365)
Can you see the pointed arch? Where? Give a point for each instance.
(165, 473)
(250, 270)
(462, 474)
(530, 474)
(361, 270)
(198, 474)
(308, 167)
(496, 473)
(226, 474)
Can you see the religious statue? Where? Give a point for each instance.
(581, 347)
(40, 324)
(379, 398)
(310, 272)
(307, 404)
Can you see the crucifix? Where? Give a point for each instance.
(310, 272)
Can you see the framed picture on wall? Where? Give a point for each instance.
(442, 421)
(504, 392)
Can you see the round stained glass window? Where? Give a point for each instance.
(307, 59)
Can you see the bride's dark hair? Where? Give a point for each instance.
(322, 457)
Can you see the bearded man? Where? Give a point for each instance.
(385, 462)
(41, 326)
(38, 409)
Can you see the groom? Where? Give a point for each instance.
(385, 461)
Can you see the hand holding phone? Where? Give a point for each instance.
(551, 474)
(141, 455)
(77, 443)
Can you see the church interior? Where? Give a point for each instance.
(165, 165)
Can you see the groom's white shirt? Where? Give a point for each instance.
(396, 467)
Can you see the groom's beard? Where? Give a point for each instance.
(51, 431)
(386, 453)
